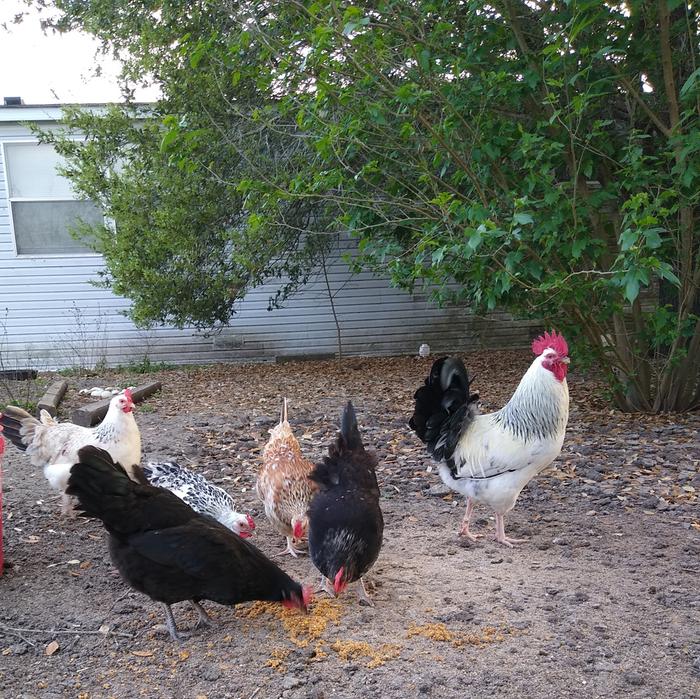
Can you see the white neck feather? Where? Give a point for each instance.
(539, 408)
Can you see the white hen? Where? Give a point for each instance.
(490, 458)
(48, 441)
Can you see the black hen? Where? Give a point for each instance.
(164, 549)
(345, 520)
(444, 408)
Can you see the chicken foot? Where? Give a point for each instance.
(326, 586)
(464, 530)
(171, 626)
(501, 537)
(68, 506)
(290, 549)
(203, 619)
(362, 595)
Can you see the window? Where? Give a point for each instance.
(42, 204)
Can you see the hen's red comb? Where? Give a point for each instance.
(2, 443)
(251, 522)
(552, 340)
(128, 394)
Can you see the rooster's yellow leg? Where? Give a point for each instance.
(464, 531)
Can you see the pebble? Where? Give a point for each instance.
(292, 682)
(210, 673)
(439, 489)
(124, 608)
(633, 678)
(602, 666)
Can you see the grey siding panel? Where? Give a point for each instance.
(43, 327)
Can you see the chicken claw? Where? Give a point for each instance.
(203, 619)
(464, 529)
(501, 537)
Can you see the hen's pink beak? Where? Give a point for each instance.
(338, 583)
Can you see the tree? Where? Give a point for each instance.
(543, 157)
(189, 236)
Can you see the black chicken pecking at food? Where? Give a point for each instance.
(345, 520)
(166, 550)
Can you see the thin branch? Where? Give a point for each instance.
(642, 103)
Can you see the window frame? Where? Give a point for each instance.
(10, 199)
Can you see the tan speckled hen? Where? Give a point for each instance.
(283, 484)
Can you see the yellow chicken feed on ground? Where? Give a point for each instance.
(277, 658)
(302, 628)
(440, 632)
(435, 632)
(354, 650)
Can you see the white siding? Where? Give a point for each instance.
(51, 316)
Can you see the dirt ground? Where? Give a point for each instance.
(603, 600)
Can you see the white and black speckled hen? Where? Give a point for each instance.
(200, 494)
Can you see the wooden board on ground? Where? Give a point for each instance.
(91, 414)
(52, 398)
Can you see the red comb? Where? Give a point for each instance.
(251, 522)
(2, 443)
(551, 340)
(128, 394)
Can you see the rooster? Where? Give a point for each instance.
(167, 551)
(490, 458)
(2, 556)
(48, 441)
(201, 495)
(345, 520)
(283, 484)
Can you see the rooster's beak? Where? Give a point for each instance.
(565, 360)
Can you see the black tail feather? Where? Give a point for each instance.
(11, 427)
(105, 491)
(348, 428)
(97, 481)
(444, 407)
(347, 461)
